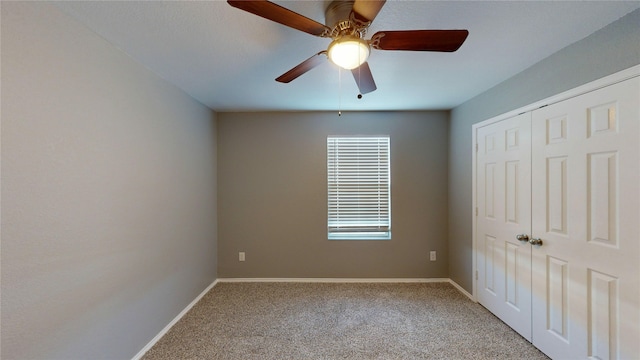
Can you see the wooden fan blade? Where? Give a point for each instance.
(419, 40)
(303, 67)
(367, 10)
(364, 79)
(281, 15)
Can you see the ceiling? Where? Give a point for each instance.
(228, 59)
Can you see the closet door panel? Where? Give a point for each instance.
(585, 195)
(504, 210)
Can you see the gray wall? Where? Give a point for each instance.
(272, 196)
(615, 47)
(108, 193)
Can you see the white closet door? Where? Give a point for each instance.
(585, 195)
(503, 166)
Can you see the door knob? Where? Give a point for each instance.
(535, 241)
(522, 237)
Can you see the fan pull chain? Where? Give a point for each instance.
(359, 76)
(339, 91)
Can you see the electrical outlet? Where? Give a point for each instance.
(432, 255)
(241, 256)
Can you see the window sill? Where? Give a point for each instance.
(359, 236)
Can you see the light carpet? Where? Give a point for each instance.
(340, 321)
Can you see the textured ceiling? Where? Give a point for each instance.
(228, 59)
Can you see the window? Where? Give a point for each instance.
(359, 188)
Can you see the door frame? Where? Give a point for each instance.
(614, 78)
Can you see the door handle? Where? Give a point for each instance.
(535, 242)
(522, 237)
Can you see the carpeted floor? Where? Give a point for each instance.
(340, 321)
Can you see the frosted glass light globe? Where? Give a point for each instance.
(348, 52)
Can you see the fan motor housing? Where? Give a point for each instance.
(337, 11)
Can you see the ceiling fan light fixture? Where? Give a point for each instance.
(348, 52)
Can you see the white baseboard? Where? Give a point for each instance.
(352, 280)
(166, 329)
(337, 280)
(462, 290)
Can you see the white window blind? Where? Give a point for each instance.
(359, 187)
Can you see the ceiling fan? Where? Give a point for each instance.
(346, 22)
